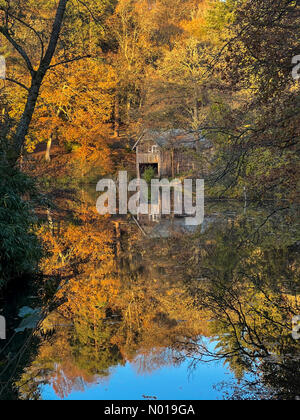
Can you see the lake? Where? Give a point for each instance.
(147, 309)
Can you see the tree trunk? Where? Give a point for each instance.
(196, 107)
(196, 112)
(37, 79)
(173, 163)
(49, 144)
(128, 109)
(117, 116)
(23, 126)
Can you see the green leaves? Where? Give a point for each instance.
(20, 250)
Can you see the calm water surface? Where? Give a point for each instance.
(160, 311)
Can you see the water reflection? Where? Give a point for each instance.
(160, 300)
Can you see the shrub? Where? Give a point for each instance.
(20, 250)
(149, 174)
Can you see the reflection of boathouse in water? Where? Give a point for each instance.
(170, 153)
(163, 226)
(173, 152)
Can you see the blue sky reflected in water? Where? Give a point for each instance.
(168, 383)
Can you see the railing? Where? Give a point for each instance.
(148, 157)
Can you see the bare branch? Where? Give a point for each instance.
(89, 10)
(16, 82)
(21, 51)
(30, 28)
(71, 60)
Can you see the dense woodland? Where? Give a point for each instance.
(86, 78)
(148, 303)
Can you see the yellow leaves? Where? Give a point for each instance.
(76, 106)
(197, 26)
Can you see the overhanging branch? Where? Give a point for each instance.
(4, 31)
(16, 82)
(71, 60)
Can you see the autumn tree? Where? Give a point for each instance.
(255, 63)
(11, 18)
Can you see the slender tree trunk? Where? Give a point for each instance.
(23, 126)
(196, 106)
(37, 79)
(117, 116)
(50, 221)
(173, 163)
(48, 150)
(196, 111)
(128, 109)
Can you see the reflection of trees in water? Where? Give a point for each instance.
(151, 304)
(113, 309)
(251, 288)
(155, 359)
